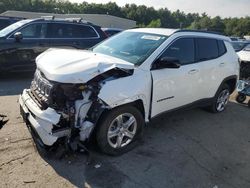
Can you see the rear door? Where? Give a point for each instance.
(176, 87)
(72, 35)
(212, 64)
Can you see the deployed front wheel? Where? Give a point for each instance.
(119, 130)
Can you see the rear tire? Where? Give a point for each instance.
(220, 100)
(119, 130)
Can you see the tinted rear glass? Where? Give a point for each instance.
(4, 23)
(60, 30)
(221, 47)
(206, 49)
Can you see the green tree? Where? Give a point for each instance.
(155, 23)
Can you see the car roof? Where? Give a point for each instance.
(159, 31)
(112, 29)
(168, 32)
(63, 20)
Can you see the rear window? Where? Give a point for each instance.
(206, 49)
(60, 30)
(221, 47)
(4, 23)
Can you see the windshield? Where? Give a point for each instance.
(238, 46)
(247, 48)
(134, 47)
(12, 27)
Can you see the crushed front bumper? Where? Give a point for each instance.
(41, 121)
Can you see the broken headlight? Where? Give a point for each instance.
(66, 92)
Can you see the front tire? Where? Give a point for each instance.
(119, 130)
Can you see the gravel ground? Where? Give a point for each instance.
(191, 148)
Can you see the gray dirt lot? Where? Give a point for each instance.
(191, 148)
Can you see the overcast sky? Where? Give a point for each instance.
(223, 8)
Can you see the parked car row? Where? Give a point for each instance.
(6, 21)
(239, 45)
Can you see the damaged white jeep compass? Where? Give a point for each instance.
(111, 90)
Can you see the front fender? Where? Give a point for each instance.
(128, 89)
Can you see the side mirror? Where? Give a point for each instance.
(166, 62)
(18, 36)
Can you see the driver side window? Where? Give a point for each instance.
(37, 30)
(181, 49)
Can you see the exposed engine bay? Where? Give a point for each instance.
(77, 104)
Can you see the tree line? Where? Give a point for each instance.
(143, 15)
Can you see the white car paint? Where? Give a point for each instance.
(244, 55)
(218, 69)
(182, 86)
(76, 66)
(173, 88)
(114, 93)
(44, 121)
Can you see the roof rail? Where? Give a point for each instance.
(74, 19)
(78, 20)
(199, 31)
(48, 17)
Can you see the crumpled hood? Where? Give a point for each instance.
(244, 55)
(76, 66)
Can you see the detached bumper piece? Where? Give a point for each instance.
(41, 121)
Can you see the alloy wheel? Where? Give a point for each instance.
(222, 100)
(122, 130)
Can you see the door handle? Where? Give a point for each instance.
(193, 71)
(222, 64)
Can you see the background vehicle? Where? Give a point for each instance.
(235, 38)
(23, 41)
(243, 88)
(244, 56)
(6, 21)
(239, 45)
(112, 90)
(111, 31)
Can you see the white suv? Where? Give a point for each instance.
(110, 91)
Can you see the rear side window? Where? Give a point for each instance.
(221, 47)
(182, 49)
(206, 49)
(60, 30)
